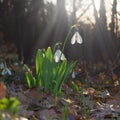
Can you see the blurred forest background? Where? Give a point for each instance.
(33, 24)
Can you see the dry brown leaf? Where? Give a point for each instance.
(30, 96)
(66, 101)
(114, 76)
(48, 115)
(102, 75)
(3, 90)
(6, 116)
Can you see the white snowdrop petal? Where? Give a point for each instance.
(105, 94)
(63, 57)
(2, 66)
(57, 55)
(76, 38)
(73, 75)
(79, 38)
(3, 72)
(8, 71)
(73, 40)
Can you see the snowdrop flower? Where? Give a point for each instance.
(105, 94)
(76, 38)
(6, 71)
(2, 66)
(57, 55)
(73, 74)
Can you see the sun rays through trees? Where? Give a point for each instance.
(33, 24)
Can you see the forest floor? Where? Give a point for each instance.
(95, 94)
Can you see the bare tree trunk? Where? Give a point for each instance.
(74, 21)
(95, 12)
(105, 44)
(101, 33)
(103, 14)
(113, 19)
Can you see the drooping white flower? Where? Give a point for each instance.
(2, 66)
(59, 56)
(73, 74)
(76, 38)
(6, 71)
(105, 94)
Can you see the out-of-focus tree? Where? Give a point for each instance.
(61, 23)
(104, 42)
(114, 14)
(74, 20)
(29, 17)
(39, 24)
(102, 17)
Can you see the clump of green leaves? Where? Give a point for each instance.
(50, 75)
(10, 106)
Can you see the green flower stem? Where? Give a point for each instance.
(64, 44)
(66, 39)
